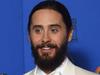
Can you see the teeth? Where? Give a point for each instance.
(46, 48)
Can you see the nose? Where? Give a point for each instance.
(46, 37)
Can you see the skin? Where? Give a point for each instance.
(47, 26)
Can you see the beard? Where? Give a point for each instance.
(48, 63)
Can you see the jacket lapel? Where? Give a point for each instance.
(69, 69)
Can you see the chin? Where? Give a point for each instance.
(47, 56)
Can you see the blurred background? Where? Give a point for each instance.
(15, 52)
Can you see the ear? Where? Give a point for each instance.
(70, 34)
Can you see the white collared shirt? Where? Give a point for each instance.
(66, 68)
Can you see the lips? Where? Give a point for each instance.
(47, 49)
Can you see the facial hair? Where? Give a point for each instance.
(49, 64)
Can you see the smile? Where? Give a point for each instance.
(47, 49)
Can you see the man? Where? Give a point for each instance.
(50, 30)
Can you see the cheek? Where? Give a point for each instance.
(59, 39)
(35, 39)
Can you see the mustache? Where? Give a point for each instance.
(51, 45)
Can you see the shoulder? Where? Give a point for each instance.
(30, 72)
(80, 71)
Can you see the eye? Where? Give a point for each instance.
(54, 30)
(37, 30)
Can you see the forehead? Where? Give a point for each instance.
(46, 11)
(47, 16)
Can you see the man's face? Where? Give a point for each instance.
(47, 33)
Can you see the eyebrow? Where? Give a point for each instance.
(51, 25)
(55, 25)
(36, 26)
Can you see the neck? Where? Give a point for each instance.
(47, 71)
